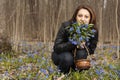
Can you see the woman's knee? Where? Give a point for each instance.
(66, 57)
(55, 58)
(61, 58)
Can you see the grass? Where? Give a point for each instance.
(34, 63)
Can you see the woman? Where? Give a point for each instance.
(63, 54)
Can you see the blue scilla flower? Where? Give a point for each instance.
(78, 31)
(111, 66)
(88, 43)
(73, 42)
(81, 26)
(81, 38)
(99, 72)
(87, 39)
(92, 35)
(71, 29)
(75, 23)
(43, 71)
(74, 36)
(50, 69)
(93, 30)
(86, 25)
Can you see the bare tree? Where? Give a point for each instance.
(117, 29)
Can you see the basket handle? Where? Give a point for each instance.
(86, 49)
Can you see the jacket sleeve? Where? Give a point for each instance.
(61, 42)
(93, 43)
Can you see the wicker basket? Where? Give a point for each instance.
(82, 64)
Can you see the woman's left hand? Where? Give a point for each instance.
(81, 45)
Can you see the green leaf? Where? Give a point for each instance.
(90, 25)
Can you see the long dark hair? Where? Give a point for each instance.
(92, 14)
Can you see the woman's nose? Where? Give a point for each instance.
(82, 18)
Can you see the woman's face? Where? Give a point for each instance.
(83, 15)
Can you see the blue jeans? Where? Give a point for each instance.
(65, 60)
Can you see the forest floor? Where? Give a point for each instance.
(34, 63)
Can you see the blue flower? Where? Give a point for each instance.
(71, 29)
(88, 43)
(75, 23)
(31, 55)
(87, 39)
(111, 66)
(81, 38)
(1, 59)
(92, 35)
(78, 31)
(43, 71)
(50, 69)
(82, 26)
(93, 30)
(99, 72)
(86, 25)
(73, 42)
(6, 73)
(20, 60)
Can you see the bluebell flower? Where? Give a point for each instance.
(82, 26)
(88, 43)
(0, 59)
(114, 47)
(87, 39)
(43, 58)
(101, 70)
(93, 30)
(47, 76)
(50, 69)
(31, 55)
(110, 66)
(118, 73)
(43, 71)
(78, 31)
(92, 35)
(6, 73)
(81, 38)
(75, 23)
(20, 60)
(71, 29)
(86, 25)
(73, 42)
(98, 72)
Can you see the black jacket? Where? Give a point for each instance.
(62, 44)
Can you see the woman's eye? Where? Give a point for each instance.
(86, 17)
(79, 15)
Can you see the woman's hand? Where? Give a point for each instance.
(82, 45)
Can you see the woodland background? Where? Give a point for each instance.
(39, 20)
(30, 26)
